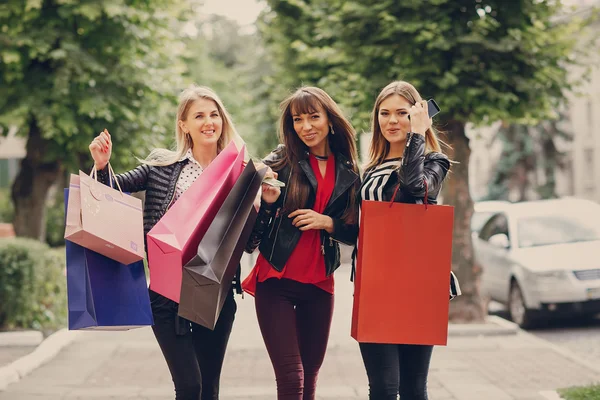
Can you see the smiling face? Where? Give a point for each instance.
(203, 122)
(312, 128)
(393, 118)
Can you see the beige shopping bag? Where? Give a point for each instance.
(104, 219)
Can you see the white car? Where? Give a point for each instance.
(483, 210)
(542, 258)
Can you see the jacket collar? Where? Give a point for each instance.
(344, 175)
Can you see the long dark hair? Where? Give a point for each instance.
(308, 100)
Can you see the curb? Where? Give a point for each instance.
(558, 349)
(21, 338)
(551, 395)
(47, 350)
(565, 353)
(493, 326)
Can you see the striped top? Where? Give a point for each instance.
(375, 179)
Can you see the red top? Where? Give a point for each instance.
(306, 263)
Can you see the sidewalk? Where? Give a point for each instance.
(506, 365)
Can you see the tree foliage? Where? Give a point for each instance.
(70, 68)
(482, 60)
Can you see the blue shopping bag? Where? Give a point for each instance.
(104, 294)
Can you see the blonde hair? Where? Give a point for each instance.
(162, 157)
(380, 147)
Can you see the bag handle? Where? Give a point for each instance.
(424, 199)
(111, 176)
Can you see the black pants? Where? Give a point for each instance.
(195, 358)
(396, 368)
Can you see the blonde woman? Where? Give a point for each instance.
(194, 354)
(405, 152)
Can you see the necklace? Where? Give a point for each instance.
(321, 158)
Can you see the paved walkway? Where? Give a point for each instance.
(117, 365)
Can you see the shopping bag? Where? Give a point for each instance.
(208, 276)
(174, 240)
(103, 294)
(401, 282)
(104, 219)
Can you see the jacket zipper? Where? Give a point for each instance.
(174, 189)
(276, 216)
(277, 233)
(410, 135)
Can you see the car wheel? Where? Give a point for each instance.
(518, 312)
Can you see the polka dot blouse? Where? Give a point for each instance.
(189, 174)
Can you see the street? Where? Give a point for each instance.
(109, 365)
(580, 336)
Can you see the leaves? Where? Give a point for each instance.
(80, 66)
(498, 61)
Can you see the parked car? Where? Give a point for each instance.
(483, 210)
(542, 259)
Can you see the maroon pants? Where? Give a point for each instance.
(294, 319)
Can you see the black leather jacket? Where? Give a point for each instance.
(416, 169)
(273, 231)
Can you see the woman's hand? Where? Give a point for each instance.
(101, 149)
(419, 118)
(270, 194)
(310, 219)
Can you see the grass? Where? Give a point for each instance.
(581, 393)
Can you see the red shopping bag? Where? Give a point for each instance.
(401, 282)
(174, 240)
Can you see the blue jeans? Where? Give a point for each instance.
(395, 369)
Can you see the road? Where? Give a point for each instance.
(581, 336)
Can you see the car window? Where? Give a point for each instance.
(556, 229)
(479, 219)
(497, 224)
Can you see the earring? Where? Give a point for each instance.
(331, 130)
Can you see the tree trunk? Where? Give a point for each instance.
(470, 306)
(30, 189)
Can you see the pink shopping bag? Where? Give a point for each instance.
(104, 219)
(174, 240)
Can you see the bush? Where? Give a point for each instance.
(7, 211)
(55, 221)
(33, 292)
(581, 393)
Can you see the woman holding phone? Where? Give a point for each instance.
(405, 162)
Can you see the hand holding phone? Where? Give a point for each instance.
(432, 108)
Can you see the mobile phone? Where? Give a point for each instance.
(432, 108)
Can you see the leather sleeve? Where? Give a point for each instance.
(130, 181)
(417, 169)
(266, 211)
(265, 214)
(348, 233)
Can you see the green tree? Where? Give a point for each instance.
(483, 61)
(524, 148)
(70, 68)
